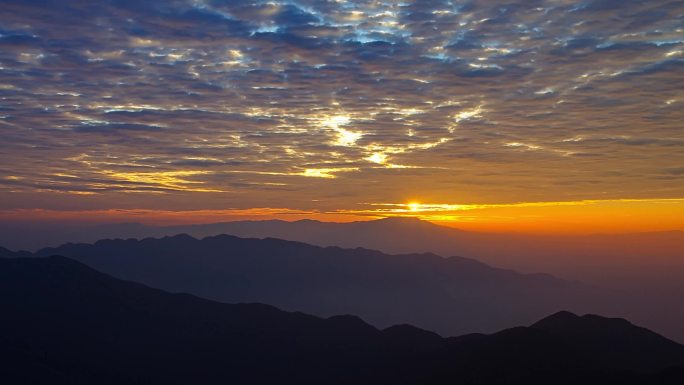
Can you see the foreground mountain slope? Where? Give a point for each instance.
(614, 342)
(69, 324)
(449, 295)
(74, 318)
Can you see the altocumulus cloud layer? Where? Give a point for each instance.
(322, 104)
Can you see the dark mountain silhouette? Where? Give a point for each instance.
(643, 272)
(65, 323)
(5, 253)
(648, 268)
(585, 257)
(449, 295)
(614, 342)
(598, 258)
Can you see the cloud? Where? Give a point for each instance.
(112, 127)
(475, 98)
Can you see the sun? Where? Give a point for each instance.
(414, 206)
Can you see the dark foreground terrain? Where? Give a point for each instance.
(65, 323)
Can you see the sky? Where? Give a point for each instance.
(539, 116)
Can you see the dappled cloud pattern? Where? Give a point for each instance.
(329, 105)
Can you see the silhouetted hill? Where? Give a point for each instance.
(5, 253)
(65, 323)
(449, 295)
(614, 342)
(71, 317)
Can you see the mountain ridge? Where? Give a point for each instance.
(74, 325)
(641, 283)
(421, 289)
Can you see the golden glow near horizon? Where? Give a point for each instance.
(414, 206)
(566, 110)
(583, 217)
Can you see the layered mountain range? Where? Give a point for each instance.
(65, 323)
(451, 296)
(642, 273)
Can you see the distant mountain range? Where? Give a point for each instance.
(639, 276)
(65, 323)
(449, 295)
(601, 258)
(523, 252)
